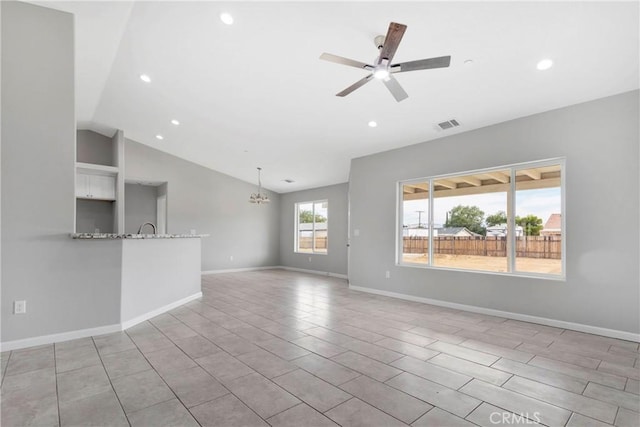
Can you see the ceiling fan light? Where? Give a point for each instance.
(545, 64)
(381, 73)
(226, 18)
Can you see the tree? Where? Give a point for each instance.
(531, 225)
(307, 217)
(497, 218)
(467, 216)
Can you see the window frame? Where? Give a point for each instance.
(511, 206)
(296, 247)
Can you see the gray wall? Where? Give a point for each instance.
(94, 214)
(140, 206)
(91, 147)
(336, 259)
(66, 286)
(600, 142)
(157, 273)
(211, 203)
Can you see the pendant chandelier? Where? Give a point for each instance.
(259, 197)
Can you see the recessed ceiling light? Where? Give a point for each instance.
(226, 18)
(160, 137)
(372, 124)
(545, 64)
(145, 78)
(175, 122)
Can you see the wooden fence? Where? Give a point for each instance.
(526, 246)
(307, 242)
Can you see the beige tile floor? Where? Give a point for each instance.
(287, 349)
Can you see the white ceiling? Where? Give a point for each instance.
(256, 94)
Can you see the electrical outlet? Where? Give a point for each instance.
(309, 259)
(231, 258)
(356, 232)
(387, 274)
(19, 307)
(193, 231)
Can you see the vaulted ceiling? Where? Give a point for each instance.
(256, 94)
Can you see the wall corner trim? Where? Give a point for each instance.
(100, 330)
(589, 329)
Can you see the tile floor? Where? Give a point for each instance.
(288, 349)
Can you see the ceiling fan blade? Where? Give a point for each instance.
(423, 64)
(391, 41)
(345, 61)
(355, 86)
(394, 87)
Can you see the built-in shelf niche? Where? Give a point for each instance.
(99, 187)
(145, 201)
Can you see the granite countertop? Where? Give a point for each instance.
(108, 236)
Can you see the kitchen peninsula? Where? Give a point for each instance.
(157, 271)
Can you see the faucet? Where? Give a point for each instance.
(149, 223)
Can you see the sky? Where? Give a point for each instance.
(540, 202)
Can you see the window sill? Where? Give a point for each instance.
(555, 278)
(310, 253)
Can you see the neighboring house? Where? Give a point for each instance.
(415, 231)
(454, 232)
(501, 230)
(412, 231)
(553, 226)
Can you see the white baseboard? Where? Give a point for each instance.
(100, 330)
(63, 336)
(275, 267)
(318, 272)
(596, 330)
(158, 311)
(238, 270)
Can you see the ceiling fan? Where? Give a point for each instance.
(383, 69)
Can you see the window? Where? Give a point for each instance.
(415, 222)
(538, 221)
(312, 222)
(502, 220)
(462, 240)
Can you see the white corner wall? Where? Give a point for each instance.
(68, 285)
(600, 142)
(156, 273)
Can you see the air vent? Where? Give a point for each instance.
(289, 181)
(448, 124)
